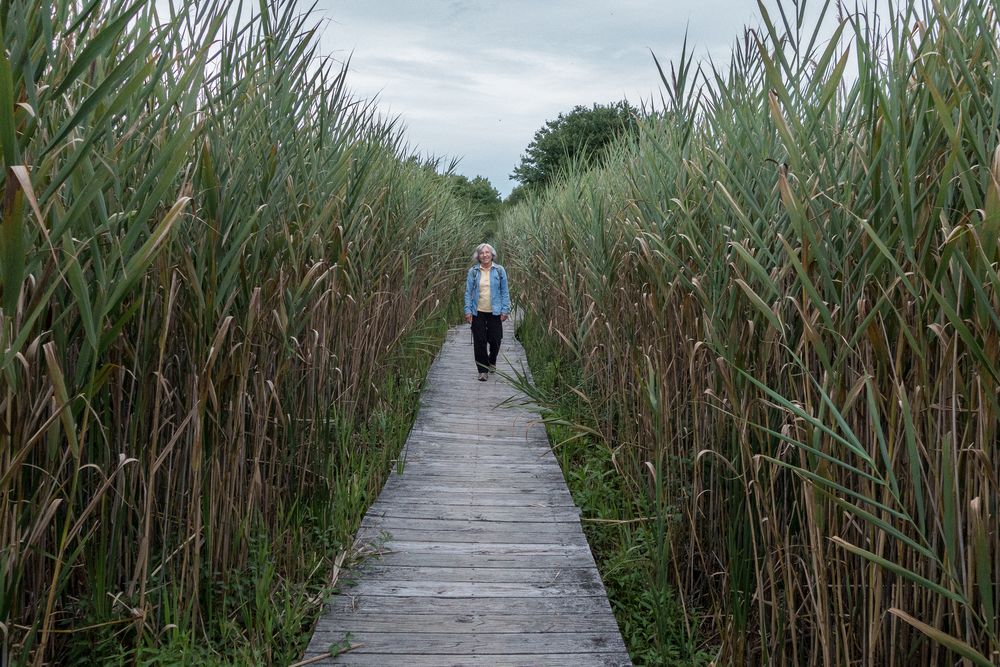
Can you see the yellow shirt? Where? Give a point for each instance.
(485, 304)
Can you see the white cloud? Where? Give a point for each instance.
(475, 79)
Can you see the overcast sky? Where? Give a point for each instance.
(475, 79)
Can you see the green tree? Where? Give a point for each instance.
(482, 198)
(582, 135)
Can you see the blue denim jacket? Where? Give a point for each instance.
(499, 295)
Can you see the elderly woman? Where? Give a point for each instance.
(487, 306)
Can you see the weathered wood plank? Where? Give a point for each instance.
(480, 643)
(464, 492)
(537, 432)
(508, 560)
(468, 623)
(499, 440)
(474, 512)
(509, 485)
(484, 538)
(374, 604)
(620, 659)
(475, 589)
(471, 477)
(493, 549)
(511, 525)
(501, 470)
(457, 458)
(377, 571)
(540, 477)
(464, 486)
(405, 498)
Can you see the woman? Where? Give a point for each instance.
(487, 306)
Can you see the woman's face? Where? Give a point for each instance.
(485, 256)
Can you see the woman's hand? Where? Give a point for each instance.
(468, 318)
(503, 317)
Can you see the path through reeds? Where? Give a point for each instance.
(475, 551)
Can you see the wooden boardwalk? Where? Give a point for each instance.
(483, 560)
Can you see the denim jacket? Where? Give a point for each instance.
(499, 295)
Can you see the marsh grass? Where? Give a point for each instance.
(621, 527)
(222, 277)
(783, 298)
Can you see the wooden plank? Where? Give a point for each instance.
(512, 438)
(543, 481)
(409, 495)
(495, 472)
(619, 659)
(478, 643)
(501, 453)
(447, 437)
(500, 469)
(417, 506)
(511, 525)
(497, 436)
(533, 606)
(443, 404)
(485, 532)
(505, 560)
(485, 514)
(473, 512)
(514, 483)
(404, 498)
(475, 589)
(443, 486)
(485, 537)
(477, 448)
(457, 420)
(467, 623)
(457, 459)
(461, 455)
(496, 505)
(478, 413)
(377, 571)
(491, 549)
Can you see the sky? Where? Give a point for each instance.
(474, 80)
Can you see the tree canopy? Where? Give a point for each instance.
(582, 135)
(478, 193)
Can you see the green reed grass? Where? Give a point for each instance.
(211, 258)
(784, 296)
(625, 543)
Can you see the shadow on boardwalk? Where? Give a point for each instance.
(484, 561)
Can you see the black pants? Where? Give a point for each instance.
(487, 329)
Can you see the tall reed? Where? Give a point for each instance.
(784, 296)
(211, 255)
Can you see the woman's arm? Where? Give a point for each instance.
(504, 294)
(468, 293)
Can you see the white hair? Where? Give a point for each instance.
(479, 248)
